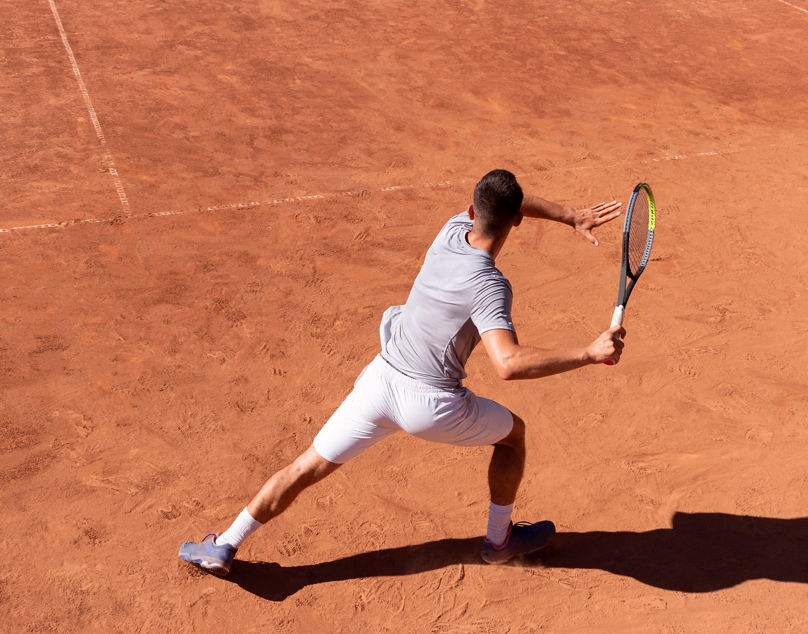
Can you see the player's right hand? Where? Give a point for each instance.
(608, 346)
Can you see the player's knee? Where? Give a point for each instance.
(310, 467)
(516, 437)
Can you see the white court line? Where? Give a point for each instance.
(667, 157)
(793, 6)
(353, 194)
(225, 207)
(109, 164)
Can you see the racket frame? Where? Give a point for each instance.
(626, 274)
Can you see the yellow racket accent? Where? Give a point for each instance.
(651, 209)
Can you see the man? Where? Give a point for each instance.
(458, 299)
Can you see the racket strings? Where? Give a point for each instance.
(638, 232)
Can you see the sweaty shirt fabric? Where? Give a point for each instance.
(458, 295)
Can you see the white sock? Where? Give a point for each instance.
(244, 526)
(499, 518)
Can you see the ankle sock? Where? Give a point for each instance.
(244, 526)
(499, 519)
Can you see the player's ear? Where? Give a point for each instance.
(471, 212)
(518, 220)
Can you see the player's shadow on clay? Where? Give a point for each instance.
(701, 552)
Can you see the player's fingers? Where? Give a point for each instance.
(606, 207)
(606, 217)
(586, 233)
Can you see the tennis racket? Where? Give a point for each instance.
(638, 236)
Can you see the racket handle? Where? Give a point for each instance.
(617, 320)
(617, 316)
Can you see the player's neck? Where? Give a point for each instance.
(486, 243)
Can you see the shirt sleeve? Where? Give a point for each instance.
(492, 306)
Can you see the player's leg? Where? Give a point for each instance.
(216, 553)
(356, 425)
(507, 465)
(504, 476)
(277, 494)
(504, 540)
(467, 420)
(282, 488)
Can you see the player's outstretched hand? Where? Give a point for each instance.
(608, 346)
(588, 218)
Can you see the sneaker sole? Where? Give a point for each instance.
(213, 567)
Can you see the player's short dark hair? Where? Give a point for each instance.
(497, 200)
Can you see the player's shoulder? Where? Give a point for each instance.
(452, 234)
(458, 221)
(491, 280)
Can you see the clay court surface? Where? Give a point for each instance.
(201, 232)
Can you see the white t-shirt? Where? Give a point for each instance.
(458, 295)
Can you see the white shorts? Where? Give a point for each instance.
(384, 401)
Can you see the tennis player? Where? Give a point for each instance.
(415, 384)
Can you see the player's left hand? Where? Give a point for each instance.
(588, 218)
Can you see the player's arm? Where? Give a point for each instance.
(582, 220)
(513, 361)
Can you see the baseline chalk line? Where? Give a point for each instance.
(244, 205)
(226, 207)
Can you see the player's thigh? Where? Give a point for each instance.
(359, 422)
(462, 419)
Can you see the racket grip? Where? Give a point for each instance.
(617, 320)
(617, 316)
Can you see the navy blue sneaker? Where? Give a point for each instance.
(523, 538)
(209, 555)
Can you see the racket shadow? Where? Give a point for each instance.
(701, 552)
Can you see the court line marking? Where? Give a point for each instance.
(793, 6)
(109, 164)
(354, 194)
(223, 207)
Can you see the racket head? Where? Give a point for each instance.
(638, 230)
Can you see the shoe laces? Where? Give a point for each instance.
(212, 537)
